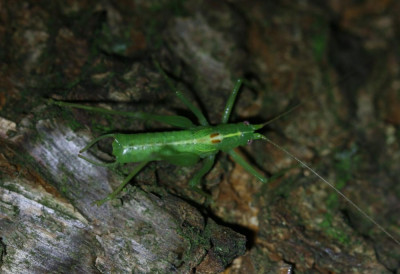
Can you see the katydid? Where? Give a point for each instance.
(191, 144)
(185, 147)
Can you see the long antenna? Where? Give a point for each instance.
(282, 114)
(332, 186)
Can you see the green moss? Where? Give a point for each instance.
(347, 162)
(58, 208)
(334, 232)
(320, 42)
(194, 239)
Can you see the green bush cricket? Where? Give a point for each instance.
(193, 143)
(185, 147)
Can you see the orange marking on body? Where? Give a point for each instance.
(214, 135)
(215, 141)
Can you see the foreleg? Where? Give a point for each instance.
(250, 169)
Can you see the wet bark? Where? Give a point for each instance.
(337, 59)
